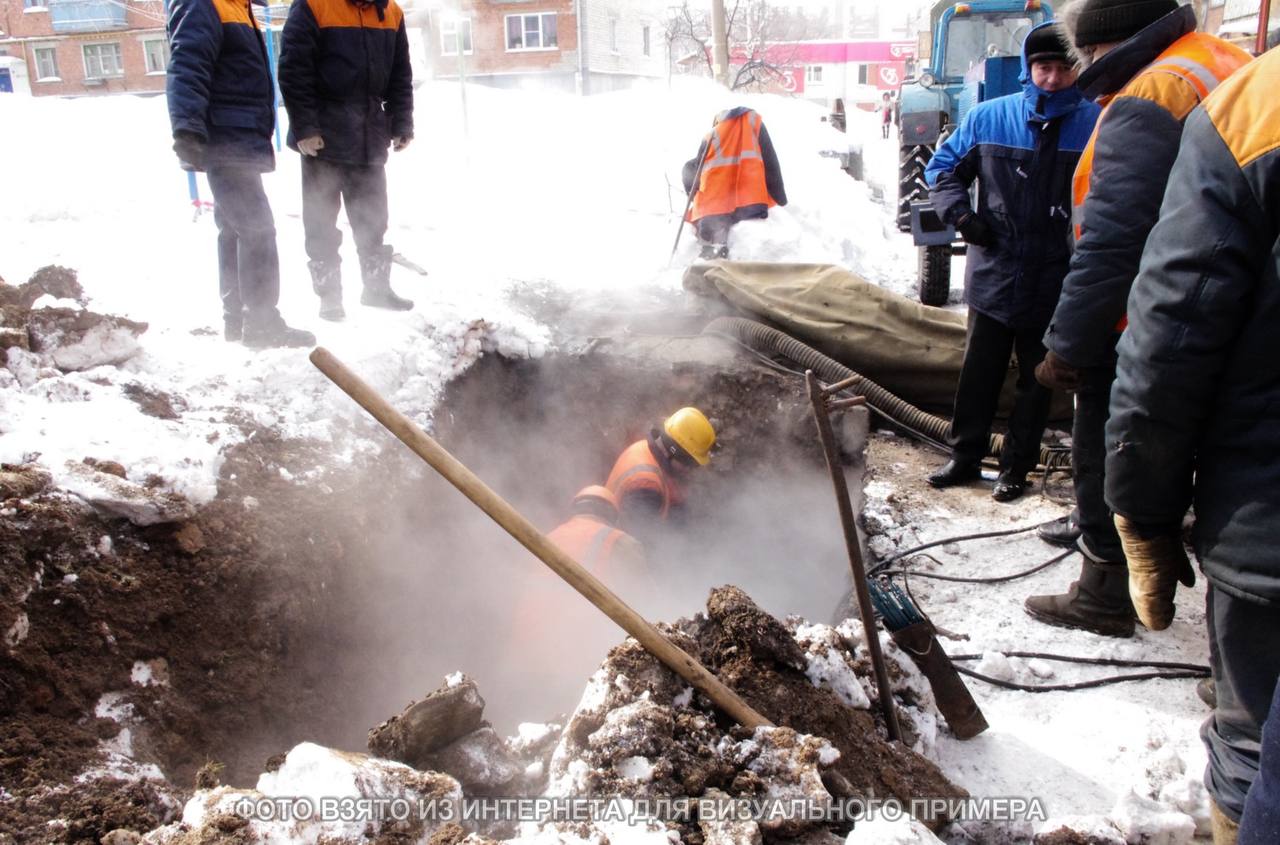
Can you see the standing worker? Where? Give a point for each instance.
(648, 477)
(1022, 149)
(1195, 421)
(1149, 68)
(348, 87)
(886, 114)
(740, 179)
(222, 111)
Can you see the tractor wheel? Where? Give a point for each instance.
(912, 161)
(935, 274)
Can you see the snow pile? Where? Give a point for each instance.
(319, 794)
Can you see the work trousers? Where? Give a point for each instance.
(1088, 462)
(982, 375)
(1244, 653)
(1260, 824)
(326, 186)
(248, 263)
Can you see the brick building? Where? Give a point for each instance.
(591, 46)
(83, 47)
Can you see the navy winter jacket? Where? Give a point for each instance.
(219, 81)
(1195, 411)
(1023, 150)
(345, 76)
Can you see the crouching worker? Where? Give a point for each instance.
(591, 536)
(738, 178)
(649, 476)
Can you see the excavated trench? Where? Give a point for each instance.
(286, 612)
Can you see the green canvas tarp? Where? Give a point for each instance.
(910, 349)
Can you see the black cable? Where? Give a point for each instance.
(957, 539)
(1097, 682)
(1173, 671)
(960, 580)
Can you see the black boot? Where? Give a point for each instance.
(955, 472)
(326, 281)
(1098, 601)
(1064, 531)
(268, 329)
(1010, 485)
(376, 271)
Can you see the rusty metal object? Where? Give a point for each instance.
(853, 545)
(954, 700)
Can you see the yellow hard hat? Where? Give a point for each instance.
(689, 429)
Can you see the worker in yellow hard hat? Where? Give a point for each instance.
(648, 477)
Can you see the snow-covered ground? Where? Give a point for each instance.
(533, 189)
(543, 191)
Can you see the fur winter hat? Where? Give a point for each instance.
(1103, 21)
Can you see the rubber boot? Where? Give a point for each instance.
(1097, 601)
(268, 329)
(376, 272)
(326, 281)
(1225, 831)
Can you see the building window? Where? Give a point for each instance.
(157, 52)
(813, 74)
(644, 35)
(102, 60)
(46, 63)
(532, 32)
(451, 29)
(34, 5)
(862, 74)
(613, 35)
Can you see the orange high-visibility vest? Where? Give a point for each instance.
(733, 173)
(638, 469)
(587, 540)
(1202, 61)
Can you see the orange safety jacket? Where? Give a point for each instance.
(733, 169)
(1199, 60)
(588, 540)
(636, 469)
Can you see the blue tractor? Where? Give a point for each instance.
(976, 55)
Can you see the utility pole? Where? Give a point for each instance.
(720, 44)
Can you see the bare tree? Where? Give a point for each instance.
(762, 40)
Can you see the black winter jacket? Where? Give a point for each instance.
(1022, 149)
(345, 75)
(219, 82)
(1138, 137)
(1195, 412)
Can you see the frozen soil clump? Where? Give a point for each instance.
(641, 733)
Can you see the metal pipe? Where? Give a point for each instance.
(515, 524)
(854, 547)
(1264, 24)
(841, 385)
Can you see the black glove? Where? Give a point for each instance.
(975, 230)
(190, 149)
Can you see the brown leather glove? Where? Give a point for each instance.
(1057, 374)
(1156, 565)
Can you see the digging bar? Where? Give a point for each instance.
(821, 415)
(528, 536)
